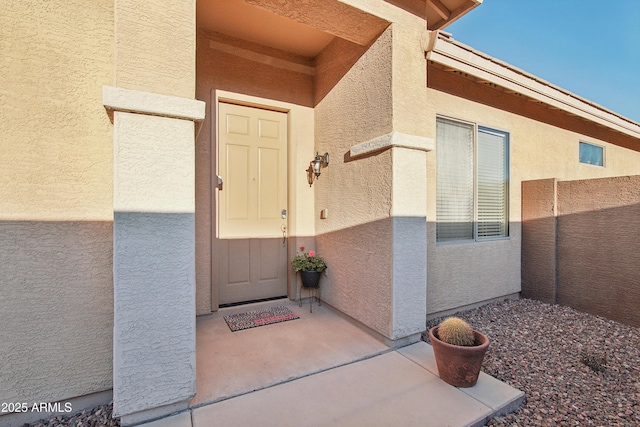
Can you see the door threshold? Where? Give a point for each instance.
(253, 301)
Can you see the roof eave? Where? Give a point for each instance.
(454, 55)
(465, 7)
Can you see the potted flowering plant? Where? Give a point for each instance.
(310, 267)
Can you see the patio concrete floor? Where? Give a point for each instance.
(325, 369)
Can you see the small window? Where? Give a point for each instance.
(591, 154)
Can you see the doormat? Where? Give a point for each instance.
(253, 319)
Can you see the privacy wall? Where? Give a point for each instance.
(580, 245)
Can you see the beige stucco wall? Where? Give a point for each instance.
(246, 79)
(155, 46)
(56, 168)
(55, 136)
(461, 274)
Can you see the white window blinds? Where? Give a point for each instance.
(472, 182)
(454, 178)
(492, 183)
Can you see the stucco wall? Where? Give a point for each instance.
(598, 257)
(592, 246)
(246, 79)
(356, 238)
(539, 230)
(374, 238)
(461, 274)
(56, 295)
(155, 45)
(154, 266)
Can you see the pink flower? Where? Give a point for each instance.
(312, 253)
(301, 248)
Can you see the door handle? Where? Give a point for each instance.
(284, 235)
(219, 182)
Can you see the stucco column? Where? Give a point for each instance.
(154, 252)
(408, 243)
(153, 115)
(374, 237)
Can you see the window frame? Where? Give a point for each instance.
(507, 170)
(602, 148)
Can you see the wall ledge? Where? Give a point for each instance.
(153, 104)
(392, 140)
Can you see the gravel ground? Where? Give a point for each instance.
(96, 417)
(575, 368)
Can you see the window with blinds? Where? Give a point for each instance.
(472, 182)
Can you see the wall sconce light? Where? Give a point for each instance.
(321, 161)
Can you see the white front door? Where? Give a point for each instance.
(252, 205)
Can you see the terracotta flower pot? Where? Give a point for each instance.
(310, 278)
(459, 365)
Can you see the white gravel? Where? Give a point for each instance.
(575, 368)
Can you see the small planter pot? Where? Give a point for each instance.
(459, 365)
(310, 278)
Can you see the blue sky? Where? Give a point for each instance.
(588, 47)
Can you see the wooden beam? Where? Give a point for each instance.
(440, 9)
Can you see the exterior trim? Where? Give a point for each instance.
(153, 104)
(392, 140)
(460, 57)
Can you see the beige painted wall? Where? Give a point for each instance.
(155, 45)
(56, 161)
(56, 168)
(246, 79)
(461, 274)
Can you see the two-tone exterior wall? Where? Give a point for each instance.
(56, 203)
(154, 120)
(96, 204)
(468, 273)
(374, 236)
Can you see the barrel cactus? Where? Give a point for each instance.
(456, 331)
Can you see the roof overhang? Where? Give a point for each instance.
(441, 13)
(455, 56)
(437, 13)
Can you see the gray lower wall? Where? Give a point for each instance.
(409, 276)
(596, 245)
(154, 331)
(377, 274)
(462, 274)
(359, 275)
(56, 309)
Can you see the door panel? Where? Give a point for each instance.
(252, 162)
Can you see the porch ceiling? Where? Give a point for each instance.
(303, 28)
(306, 27)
